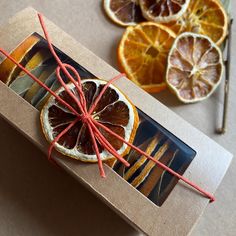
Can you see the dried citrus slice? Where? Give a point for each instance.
(42, 95)
(206, 17)
(163, 11)
(114, 111)
(22, 83)
(143, 53)
(35, 86)
(37, 59)
(8, 69)
(195, 67)
(123, 12)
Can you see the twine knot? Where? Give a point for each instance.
(85, 117)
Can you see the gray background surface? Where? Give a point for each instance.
(38, 199)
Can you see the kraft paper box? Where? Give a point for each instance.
(147, 197)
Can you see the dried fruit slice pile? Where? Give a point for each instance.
(22, 83)
(144, 48)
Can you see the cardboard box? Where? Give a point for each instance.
(177, 213)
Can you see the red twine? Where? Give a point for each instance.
(86, 117)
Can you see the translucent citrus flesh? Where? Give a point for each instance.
(123, 12)
(143, 53)
(195, 67)
(111, 111)
(206, 17)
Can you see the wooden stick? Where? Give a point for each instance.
(223, 128)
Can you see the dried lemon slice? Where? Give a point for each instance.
(206, 17)
(195, 67)
(123, 12)
(163, 11)
(143, 53)
(114, 111)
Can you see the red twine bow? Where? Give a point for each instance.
(86, 117)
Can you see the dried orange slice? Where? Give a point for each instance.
(195, 67)
(123, 12)
(8, 69)
(143, 52)
(163, 11)
(206, 17)
(114, 111)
